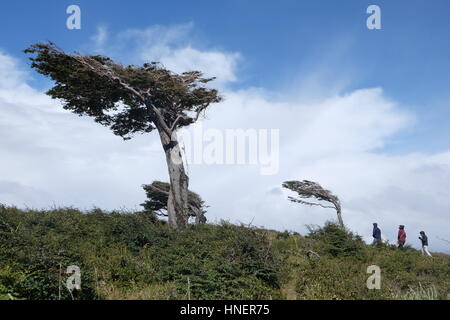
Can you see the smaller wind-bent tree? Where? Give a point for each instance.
(309, 189)
(158, 194)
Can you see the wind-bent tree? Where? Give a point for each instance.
(130, 100)
(309, 189)
(158, 194)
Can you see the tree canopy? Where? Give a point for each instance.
(158, 192)
(128, 99)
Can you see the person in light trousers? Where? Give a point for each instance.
(423, 237)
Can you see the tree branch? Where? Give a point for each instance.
(190, 119)
(101, 70)
(157, 189)
(310, 203)
(159, 118)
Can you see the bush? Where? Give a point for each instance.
(136, 256)
(336, 241)
(124, 252)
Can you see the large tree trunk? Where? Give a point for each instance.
(177, 203)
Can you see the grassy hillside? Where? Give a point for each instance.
(136, 256)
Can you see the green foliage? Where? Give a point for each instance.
(336, 241)
(220, 261)
(137, 256)
(158, 194)
(331, 263)
(128, 99)
(127, 252)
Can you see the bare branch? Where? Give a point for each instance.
(100, 69)
(188, 119)
(159, 118)
(310, 203)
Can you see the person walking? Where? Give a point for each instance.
(401, 238)
(376, 234)
(423, 237)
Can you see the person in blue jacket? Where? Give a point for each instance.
(376, 234)
(424, 239)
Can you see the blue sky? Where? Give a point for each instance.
(355, 107)
(280, 40)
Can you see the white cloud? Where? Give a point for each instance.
(171, 46)
(99, 39)
(214, 63)
(52, 157)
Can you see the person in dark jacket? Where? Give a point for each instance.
(376, 234)
(423, 237)
(401, 238)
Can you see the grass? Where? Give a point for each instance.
(136, 256)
